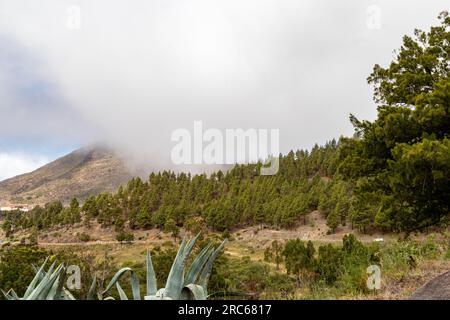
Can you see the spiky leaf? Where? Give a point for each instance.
(193, 292)
(134, 282)
(151, 277)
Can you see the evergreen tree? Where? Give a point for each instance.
(402, 157)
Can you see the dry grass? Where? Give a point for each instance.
(395, 285)
(403, 288)
(315, 229)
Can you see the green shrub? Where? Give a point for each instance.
(299, 258)
(329, 263)
(430, 248)
(400, 257)
(124, 236)
(447, 254)
(84, 237)
(16, 267)
(16, 270)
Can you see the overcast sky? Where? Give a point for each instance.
(128, 73)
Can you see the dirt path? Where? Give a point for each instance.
(436, 289)
(93, 243)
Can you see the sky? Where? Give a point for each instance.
(127, 74)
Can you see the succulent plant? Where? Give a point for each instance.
(46, 285)
(180, 285)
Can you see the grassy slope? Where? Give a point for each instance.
(399, 280)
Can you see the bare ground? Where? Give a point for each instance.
(314, 228)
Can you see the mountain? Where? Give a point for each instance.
(83, 172)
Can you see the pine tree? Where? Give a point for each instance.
(333, 219)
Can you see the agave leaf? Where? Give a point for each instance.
(197, 265)
(67, 295)
(56, 292)
(11, 295)
(135, 286)
(37, 277)
(134, 282)
(43, 284)
(122, 294)
(45, 291)
(92, 289)
(52, 294)
(151, 277)
(174, 282)
(175, 279)
(206, 271)
(193, 292)
(57, 277)
(162, 295)
(41, 287)
(109, 298)
(59, 294)
(50, 270)
(7, 294)
(116, 278)
(64, 293)
(190, 246)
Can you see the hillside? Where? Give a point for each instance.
(81, 173)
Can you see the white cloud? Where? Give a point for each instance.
(13, 164)
(138, 71)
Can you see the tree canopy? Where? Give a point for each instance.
(400, 161)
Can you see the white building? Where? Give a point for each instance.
(20, 208)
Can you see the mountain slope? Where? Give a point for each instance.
(79, 174)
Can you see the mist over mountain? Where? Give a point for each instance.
(83, 172)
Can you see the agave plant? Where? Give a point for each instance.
(180, 285)
(47, 285)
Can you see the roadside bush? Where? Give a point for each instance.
(84, 237)
(124, 236)
(329, 263)
(242, 277)
(342, 268)
(16, 266)
(401, 257)
(299, 258)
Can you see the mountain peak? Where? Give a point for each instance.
(83, 172)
